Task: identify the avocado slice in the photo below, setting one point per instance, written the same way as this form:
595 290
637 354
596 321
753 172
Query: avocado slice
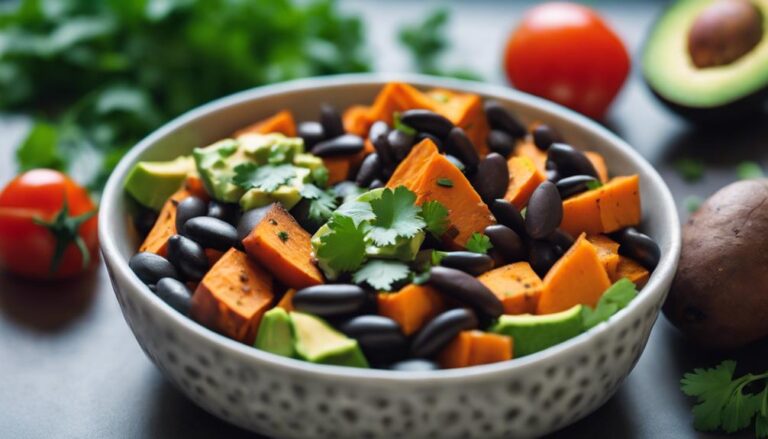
276 333
288 194
404 249
317 342
152 183
272 148
533 333
708 59
216 164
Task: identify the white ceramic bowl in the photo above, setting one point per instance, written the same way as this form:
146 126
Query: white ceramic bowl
282 397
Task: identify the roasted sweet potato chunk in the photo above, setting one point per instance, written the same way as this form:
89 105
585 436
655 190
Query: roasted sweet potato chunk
282 123
472 348
607 209
412 307
516 285
165 226
608 252
632 271
233 296
524 178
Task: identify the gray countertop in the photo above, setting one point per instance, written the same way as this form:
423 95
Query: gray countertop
70 368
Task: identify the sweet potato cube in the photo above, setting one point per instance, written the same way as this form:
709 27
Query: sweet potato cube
342 167
412 307
526 148
607 209
472 348
286 302
410 168
577 278
465 110
608 252
165 226
233 296
631 270
282 123
280 244
398 97
356 120
467 213
516 285
599 163
524 178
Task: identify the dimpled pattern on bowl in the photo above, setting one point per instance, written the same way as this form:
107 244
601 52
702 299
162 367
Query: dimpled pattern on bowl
286 398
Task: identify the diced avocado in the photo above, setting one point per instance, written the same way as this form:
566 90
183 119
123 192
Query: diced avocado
308 161
403 249
276 333
318 342
151 183
216 164
533 333
272 148
288 196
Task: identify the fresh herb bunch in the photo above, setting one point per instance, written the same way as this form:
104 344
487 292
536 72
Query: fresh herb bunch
726 403
99 75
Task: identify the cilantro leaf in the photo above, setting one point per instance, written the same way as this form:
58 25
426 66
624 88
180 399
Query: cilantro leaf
398 124
321 205
343 248
381 274
479 243
396 215
267 177
761 426
616 297
357 210
435 216
594 184
320 176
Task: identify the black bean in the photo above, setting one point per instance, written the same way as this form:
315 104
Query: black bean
501 142
144 220
380 338
376 184
400 143
553 175
459 145
427 121
188 257
378 136
414 365
562 239
544 211
507 214
499 118
506 241
300 212
575 184
249 220
175 294
492 177
212 233
331 300
187 209
377 130
436 334
456 162
150 267
638 246
544 136
466 289
468 262
342 145
369 170
330 119
438 143
542 256
570 161
227 212
311 132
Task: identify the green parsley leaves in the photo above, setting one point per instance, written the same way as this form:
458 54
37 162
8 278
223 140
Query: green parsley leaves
722 400
479 243
266 177
616 297
381 274
396 216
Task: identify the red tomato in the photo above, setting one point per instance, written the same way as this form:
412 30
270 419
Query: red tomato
566 53
40 235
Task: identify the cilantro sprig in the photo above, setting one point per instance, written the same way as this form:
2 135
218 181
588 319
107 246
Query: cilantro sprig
435 216
343 248
615 298
266 177
396 216
479 243
381 274
321 203
723 402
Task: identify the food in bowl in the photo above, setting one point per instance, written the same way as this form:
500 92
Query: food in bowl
428 230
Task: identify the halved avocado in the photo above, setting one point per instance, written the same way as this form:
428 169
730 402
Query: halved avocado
708 59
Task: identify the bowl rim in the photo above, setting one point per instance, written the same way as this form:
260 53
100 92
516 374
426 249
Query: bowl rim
664 271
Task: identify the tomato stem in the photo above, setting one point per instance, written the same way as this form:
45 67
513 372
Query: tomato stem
65 230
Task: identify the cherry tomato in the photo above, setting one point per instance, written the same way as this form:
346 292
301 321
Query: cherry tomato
48 227
566 53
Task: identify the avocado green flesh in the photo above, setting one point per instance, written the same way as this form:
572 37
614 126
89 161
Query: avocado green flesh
534 333
276 333
669 71
316 342
152 183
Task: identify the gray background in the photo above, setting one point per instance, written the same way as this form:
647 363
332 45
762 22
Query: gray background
70 368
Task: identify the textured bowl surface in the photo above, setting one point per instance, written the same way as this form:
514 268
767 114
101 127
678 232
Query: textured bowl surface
282 397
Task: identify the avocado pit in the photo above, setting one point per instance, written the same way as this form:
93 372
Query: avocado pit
723 32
